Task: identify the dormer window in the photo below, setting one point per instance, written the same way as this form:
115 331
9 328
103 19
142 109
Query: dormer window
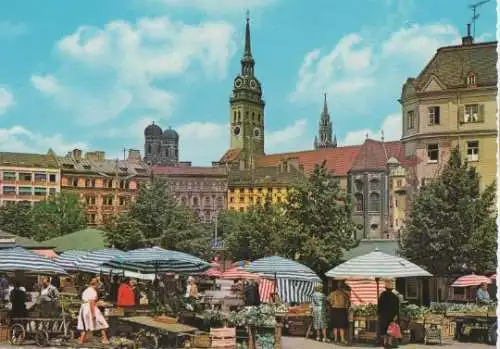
471 80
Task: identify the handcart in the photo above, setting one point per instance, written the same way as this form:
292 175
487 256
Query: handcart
44 329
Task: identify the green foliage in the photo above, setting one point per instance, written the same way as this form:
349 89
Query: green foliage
451 227
58 215
320 223
124 232
15 218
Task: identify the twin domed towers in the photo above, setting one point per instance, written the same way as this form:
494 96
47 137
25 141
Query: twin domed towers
161 147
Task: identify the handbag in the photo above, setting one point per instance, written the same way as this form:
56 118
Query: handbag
394 330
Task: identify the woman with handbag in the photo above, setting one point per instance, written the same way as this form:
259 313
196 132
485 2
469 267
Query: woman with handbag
388 311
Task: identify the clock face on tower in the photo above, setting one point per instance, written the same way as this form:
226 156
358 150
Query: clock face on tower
238 83
236 130
253 84
256 132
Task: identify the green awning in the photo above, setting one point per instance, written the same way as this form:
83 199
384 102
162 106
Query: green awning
83 240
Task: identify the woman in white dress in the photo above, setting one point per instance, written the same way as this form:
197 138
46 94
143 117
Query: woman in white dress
90 317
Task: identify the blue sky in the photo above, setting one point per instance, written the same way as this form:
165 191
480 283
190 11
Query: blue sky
92 74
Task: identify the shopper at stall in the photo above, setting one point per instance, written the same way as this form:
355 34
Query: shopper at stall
18 299
388 311
339 305
191 288
48 292
126 296
482 295
90 317
319 312
252 296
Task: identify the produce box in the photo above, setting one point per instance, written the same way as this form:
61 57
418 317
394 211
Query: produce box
492 314
4 333
201 340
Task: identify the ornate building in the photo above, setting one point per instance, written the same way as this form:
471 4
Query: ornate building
453 102
28 177
325 130
160 147
203 189
105 187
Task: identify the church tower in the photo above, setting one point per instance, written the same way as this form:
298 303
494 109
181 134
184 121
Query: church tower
325 130
247 108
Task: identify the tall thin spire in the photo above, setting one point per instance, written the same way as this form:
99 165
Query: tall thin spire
248 46
325 106
247 61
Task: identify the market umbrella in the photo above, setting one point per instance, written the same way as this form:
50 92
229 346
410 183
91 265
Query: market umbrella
159 260
493 277
471 280
67 260
17 259
239 273
213 272
93 262
282 268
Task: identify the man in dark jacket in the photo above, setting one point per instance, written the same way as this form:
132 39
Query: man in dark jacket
252 296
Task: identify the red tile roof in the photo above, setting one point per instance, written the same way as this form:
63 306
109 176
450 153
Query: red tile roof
230 155
338 160
374 154
189 171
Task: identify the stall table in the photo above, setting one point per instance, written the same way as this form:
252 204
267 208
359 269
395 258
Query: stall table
468 324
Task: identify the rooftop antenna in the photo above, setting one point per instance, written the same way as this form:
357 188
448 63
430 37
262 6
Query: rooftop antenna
475 15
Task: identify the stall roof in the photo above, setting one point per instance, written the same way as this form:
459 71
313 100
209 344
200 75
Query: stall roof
389 247
83 240
10 240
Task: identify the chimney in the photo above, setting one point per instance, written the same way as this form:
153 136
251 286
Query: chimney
77 154
91 155
467 40
134 155
100 155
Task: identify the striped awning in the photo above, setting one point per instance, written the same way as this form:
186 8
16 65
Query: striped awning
376 265
471 280
18 259
363 291
295 291
93 262
266 289
213 272
282 268
159 260
67 260
239 273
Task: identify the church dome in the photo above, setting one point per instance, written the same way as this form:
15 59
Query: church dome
153 130
170 134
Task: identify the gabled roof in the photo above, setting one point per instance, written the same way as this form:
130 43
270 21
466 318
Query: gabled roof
29 160
230 156
338 160
452 64
374 154
82 240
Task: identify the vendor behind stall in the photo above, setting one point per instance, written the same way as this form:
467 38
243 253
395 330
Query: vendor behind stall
191 288
126 296
48 292
482 295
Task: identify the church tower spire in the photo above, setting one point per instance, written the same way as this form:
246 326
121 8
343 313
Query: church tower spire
325 139
247 107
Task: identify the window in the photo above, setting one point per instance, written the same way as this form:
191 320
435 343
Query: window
52 178
25 191
231 199
242 199
207 201
358 184
396 222
374 202
359 202
374 227
107 201
40 191
220 203
471 80
110 183
195 201
25 177
434 115
471 113
472 151
432 153
52 191
399 182
149 148
40 177
183 200
9 176
74 182
123 201
123 184
91 218
411 288
90 200
411 119
242 209
374 184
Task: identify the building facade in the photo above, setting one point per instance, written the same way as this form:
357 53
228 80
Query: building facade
28 178
105 187
160 147
325 130
452 103
202 189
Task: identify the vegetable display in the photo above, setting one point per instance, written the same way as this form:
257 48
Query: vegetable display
262 316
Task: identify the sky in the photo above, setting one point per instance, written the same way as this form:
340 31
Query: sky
92 74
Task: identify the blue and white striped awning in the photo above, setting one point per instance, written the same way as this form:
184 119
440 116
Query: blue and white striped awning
18 259
67 260
159 260
376 265
282 268
295 291
93 262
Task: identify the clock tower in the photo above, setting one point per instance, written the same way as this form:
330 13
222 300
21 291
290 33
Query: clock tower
247 108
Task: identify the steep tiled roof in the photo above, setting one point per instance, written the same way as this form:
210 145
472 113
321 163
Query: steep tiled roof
28 160
373 155
104 167
338 160
189 171
230 155
452 64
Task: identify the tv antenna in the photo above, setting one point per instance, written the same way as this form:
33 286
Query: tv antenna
475 15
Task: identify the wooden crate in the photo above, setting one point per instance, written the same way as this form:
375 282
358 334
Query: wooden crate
201 340
223 337
4 333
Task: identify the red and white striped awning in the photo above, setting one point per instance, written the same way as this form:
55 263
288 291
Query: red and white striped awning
364 291
239 273
266 289
493 277
213 272
471 280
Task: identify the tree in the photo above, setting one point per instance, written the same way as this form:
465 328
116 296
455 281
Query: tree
15 218
58 215
319 220
451 227
124 232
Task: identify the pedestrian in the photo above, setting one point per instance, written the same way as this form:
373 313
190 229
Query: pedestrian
90 317
319 312
126 296
388 311
339 317
18 299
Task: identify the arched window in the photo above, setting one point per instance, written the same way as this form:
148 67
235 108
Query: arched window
358 185
234 116
183 200
359 202
195 201
149 148
471 80
374 202
207 201
374 184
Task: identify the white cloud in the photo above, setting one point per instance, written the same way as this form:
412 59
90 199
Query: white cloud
20 139
219 6
10 29
356 65
129 60
285 136
6 100
391 126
